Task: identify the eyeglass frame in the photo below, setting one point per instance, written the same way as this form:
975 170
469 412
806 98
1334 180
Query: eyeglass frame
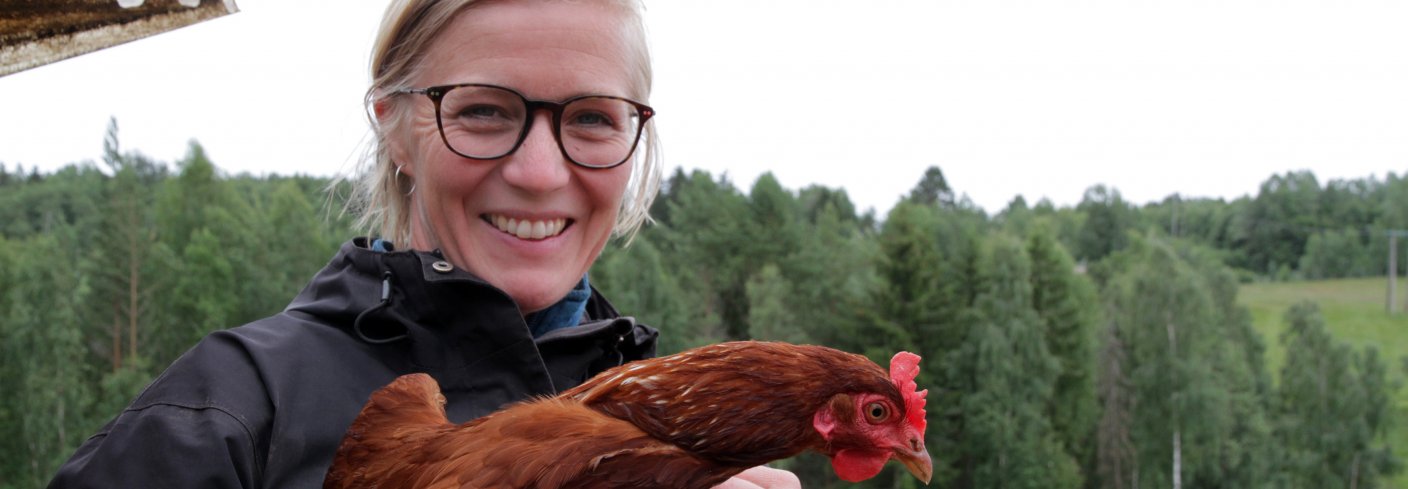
437 93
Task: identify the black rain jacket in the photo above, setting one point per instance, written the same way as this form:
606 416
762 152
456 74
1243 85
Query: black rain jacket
265 405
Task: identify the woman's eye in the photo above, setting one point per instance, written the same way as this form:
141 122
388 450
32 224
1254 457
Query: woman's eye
591 119
876 412
481 112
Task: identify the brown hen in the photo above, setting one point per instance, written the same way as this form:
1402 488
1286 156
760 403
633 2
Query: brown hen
689 420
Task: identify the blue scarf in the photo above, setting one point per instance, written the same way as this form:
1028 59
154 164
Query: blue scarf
565 313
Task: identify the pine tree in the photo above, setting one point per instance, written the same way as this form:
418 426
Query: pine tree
291 221
47 400
129 261
1332 404
641 282
1006 429
830 274
1066 303
1117 466
770 316
1107 220
932 190
707 234
928 280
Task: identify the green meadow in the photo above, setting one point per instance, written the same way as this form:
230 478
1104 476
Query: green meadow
1355 313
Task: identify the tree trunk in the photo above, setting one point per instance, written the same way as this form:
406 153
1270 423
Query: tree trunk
134 278
116 337
62 434
1177 461
1177 430
1392 272
1354 472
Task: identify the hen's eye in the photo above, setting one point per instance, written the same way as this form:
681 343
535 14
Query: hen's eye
876 412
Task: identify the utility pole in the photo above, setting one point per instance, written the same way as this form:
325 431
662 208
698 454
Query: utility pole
1393 235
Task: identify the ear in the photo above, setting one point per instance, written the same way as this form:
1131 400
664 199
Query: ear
839 410
391 131
825 422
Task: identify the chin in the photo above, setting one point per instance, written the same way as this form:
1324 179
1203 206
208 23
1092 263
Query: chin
531 296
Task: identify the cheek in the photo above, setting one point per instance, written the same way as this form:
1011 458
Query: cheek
605 190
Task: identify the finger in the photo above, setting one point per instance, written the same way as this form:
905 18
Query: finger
736 483
770 478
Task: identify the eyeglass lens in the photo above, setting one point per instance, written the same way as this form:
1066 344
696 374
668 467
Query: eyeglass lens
487 122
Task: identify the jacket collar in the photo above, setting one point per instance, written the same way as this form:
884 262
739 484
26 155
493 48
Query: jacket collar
443 317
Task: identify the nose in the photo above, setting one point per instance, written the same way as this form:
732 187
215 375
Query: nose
538 165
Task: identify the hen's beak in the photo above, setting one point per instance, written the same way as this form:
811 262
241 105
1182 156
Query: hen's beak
916 459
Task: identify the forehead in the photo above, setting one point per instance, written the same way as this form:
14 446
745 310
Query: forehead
545 49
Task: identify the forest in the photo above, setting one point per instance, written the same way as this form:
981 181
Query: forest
1094 346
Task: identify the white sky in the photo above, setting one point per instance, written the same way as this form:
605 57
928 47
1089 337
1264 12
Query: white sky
1038 98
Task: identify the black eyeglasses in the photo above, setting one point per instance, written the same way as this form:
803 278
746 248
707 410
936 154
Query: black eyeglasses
484 122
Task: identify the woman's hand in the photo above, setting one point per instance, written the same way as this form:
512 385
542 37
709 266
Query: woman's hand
762 477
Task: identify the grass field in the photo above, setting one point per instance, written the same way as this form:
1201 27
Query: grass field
1354 311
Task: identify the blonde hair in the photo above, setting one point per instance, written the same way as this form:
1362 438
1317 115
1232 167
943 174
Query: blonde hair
381 194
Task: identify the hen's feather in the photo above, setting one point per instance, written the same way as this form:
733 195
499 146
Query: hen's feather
690 420
403 440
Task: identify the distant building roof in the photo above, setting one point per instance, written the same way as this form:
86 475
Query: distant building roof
36 33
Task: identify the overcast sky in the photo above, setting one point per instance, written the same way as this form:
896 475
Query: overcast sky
1037 98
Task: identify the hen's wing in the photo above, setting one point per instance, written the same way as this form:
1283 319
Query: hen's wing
553 444
402 440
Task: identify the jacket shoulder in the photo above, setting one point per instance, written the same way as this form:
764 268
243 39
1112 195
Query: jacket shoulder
166 445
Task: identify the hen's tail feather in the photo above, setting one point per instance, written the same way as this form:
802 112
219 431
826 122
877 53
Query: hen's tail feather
412 400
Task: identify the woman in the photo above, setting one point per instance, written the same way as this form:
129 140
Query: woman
509 135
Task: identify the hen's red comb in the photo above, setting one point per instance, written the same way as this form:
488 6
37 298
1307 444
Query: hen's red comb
903 368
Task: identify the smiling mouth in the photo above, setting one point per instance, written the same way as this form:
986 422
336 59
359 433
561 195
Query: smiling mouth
528 229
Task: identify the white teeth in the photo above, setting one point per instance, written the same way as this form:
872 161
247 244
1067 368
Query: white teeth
526 229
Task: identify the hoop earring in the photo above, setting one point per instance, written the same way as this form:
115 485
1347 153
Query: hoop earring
398 177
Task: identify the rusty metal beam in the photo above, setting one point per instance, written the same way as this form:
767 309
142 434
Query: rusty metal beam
38 32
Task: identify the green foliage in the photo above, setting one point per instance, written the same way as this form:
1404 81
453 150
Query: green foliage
770 318
932 190
644 284
1007 432
1280 220
1206 221
109 271
1341 253
1190 395
1067 305
47 391
1353 313
1108 219
707 226
1332 403
1039 374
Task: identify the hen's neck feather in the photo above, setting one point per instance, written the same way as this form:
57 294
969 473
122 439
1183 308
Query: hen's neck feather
743 403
